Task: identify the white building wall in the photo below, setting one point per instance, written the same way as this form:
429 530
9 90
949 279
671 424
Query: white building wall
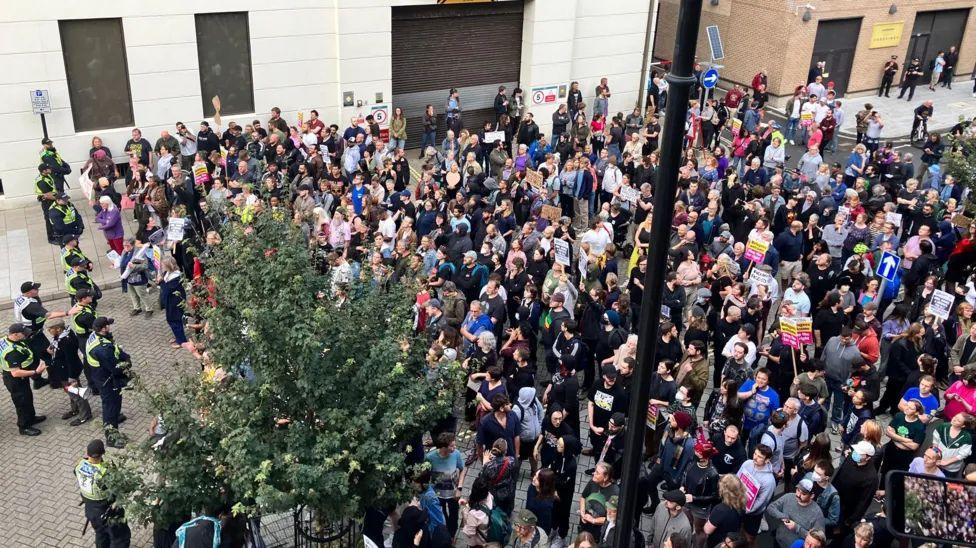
305 54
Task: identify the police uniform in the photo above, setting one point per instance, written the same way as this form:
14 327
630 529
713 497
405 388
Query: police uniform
104 357
52 159
65 219
78 280
30 312
81 324
18 355
98 507
43 190
68 254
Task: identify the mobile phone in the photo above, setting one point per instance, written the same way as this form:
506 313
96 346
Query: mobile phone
929 508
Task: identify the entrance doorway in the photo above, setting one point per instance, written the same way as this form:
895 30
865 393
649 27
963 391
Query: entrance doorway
835 44
936 31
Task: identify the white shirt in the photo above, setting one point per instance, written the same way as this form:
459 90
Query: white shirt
597 240
612 179
750 354
822 111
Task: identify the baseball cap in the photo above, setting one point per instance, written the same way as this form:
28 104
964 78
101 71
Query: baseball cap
526 518
864 447
470 255
28 286
805 486
676 496
62 196
619 419
46 141
609 370
726 234
96 448
434 303
101 322
76 260
68 238
18 328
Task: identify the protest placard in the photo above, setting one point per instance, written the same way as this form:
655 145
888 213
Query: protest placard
553 213
941 304
761 277
534 178
788 332
562 251
756 250
629 194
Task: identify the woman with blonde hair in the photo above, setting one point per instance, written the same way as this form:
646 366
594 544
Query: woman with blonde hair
726 516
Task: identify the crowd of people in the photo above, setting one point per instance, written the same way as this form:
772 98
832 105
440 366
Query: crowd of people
531 256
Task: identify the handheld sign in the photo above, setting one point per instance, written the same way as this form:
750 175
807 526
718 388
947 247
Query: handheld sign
756 251
788 332
629 193
552 213
492 136
941 304
175 229
893 218
562 251
761 277
534 178
804 330
888 265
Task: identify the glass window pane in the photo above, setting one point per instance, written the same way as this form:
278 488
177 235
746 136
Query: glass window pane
98 75
224 50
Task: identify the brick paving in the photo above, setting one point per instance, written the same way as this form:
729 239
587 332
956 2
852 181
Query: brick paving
39 501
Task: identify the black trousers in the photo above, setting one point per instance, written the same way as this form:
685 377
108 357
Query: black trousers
22 398
107 535
885 88
48 227
910 88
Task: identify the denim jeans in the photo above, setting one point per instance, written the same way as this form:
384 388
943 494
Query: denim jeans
791 126
429 139
614 151
838 397
398 143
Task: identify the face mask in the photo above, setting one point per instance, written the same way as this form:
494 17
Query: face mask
816 477
856 457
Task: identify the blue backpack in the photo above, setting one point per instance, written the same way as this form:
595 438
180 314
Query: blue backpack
196 529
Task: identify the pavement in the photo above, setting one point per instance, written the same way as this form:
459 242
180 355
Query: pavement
26 255
898 114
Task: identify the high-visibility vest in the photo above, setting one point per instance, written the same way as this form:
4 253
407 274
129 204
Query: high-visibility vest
79 329
94 341
7 346
66 255
89 475
70 216
72 277
43 184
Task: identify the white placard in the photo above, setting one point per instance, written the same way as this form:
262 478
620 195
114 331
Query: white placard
86 184
761 277
113 256
941 304
893 218
562 251
629 193
175 229
665 312
844 211
492 136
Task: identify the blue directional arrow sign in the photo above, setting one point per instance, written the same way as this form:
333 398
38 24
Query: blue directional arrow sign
710 78
888 266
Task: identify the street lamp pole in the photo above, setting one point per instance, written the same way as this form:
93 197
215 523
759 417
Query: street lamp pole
681 81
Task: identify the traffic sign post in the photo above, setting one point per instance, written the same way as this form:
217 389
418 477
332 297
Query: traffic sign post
888 266
710 78
41 104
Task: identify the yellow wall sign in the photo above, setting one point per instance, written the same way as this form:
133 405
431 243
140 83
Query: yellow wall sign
886 35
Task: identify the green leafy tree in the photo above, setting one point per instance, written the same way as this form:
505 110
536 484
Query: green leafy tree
959 161
310 405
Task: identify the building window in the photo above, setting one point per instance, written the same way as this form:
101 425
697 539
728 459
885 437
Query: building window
224 50
98 75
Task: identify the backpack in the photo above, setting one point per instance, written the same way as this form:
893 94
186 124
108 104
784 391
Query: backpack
499 525
816 418
531 420
195 528
756 435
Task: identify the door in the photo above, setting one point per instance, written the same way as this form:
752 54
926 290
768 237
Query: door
835 44
935 31
472 47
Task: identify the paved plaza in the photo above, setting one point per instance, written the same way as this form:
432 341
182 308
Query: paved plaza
898 114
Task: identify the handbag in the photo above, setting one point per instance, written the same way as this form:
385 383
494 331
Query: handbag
127 202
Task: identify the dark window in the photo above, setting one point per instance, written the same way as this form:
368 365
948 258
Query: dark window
98 75
224 49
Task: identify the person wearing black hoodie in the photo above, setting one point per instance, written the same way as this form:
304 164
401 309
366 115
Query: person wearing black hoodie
564 465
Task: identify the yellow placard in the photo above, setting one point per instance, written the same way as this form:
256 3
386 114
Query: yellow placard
806 116
886 35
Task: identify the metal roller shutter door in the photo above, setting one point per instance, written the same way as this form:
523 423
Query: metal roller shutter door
474 48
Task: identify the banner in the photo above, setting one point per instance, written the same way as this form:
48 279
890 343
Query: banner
756 250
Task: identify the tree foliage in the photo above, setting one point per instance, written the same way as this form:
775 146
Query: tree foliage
960 160
317 403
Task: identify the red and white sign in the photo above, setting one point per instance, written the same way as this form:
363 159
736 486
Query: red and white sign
544 95
381 114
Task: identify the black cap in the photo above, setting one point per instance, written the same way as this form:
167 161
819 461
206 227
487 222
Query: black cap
76 260
46 141
96 448
619 419
101 322
42 167
18 328
676 496
609 371
62 196
68 238
28 286
83 293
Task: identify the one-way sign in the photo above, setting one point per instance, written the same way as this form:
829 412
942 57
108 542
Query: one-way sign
710 78
888 265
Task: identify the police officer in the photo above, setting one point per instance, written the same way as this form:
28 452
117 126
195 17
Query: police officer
110 531
69 249
79 279
51 158
82 323
18 365
64 218
105 359
29 311
45 192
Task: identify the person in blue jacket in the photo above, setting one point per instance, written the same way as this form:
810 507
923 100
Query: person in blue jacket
172 299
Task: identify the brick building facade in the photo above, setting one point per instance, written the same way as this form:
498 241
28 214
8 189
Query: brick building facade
772 35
